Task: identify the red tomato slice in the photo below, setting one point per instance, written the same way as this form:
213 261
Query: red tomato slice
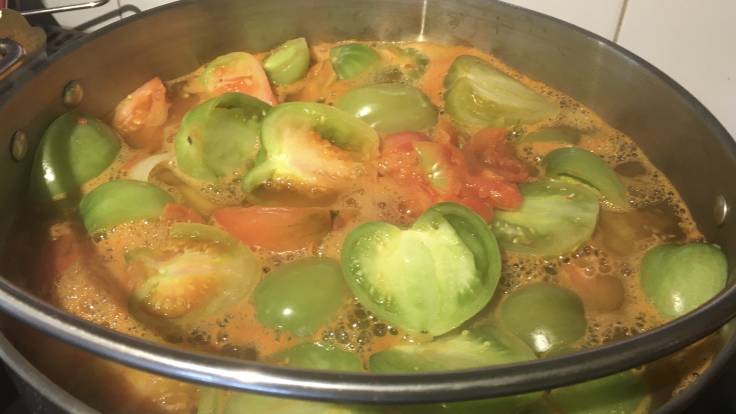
488 148
399 159
402 141
433 172
240 72
180 213
478 177
275 228
498 193
414 159
141 114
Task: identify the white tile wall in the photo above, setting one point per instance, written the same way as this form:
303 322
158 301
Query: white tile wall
80 17
692 41
598 16
141 4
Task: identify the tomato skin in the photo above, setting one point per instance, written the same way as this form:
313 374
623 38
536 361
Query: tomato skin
488 148
275 228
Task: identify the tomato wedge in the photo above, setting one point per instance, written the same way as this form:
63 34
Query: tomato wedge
275 228
141 114
238 72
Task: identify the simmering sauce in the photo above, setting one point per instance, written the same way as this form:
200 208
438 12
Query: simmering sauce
326 193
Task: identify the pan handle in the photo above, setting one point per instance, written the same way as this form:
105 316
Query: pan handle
10 53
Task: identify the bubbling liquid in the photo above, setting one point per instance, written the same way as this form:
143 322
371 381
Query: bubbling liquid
96 287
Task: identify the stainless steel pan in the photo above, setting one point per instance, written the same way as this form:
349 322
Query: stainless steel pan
677 133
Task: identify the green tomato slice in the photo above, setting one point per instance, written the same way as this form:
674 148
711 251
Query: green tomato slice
624 392
478 347
317 356
429 278
545 316
311 148
259 404
677 279
120 201
515 404
74 149
481 346
289 62
220 137
353 59
587 167
555 218
478 95
214 401
390 107
433 160
305 355
210 401
289 299
216 272
563 135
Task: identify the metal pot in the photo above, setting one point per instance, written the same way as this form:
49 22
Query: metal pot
675 131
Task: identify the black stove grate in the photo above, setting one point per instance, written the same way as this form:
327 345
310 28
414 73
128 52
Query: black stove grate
56 37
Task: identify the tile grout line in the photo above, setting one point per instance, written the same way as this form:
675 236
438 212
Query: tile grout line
620 22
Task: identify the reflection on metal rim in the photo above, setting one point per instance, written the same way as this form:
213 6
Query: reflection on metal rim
366 388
